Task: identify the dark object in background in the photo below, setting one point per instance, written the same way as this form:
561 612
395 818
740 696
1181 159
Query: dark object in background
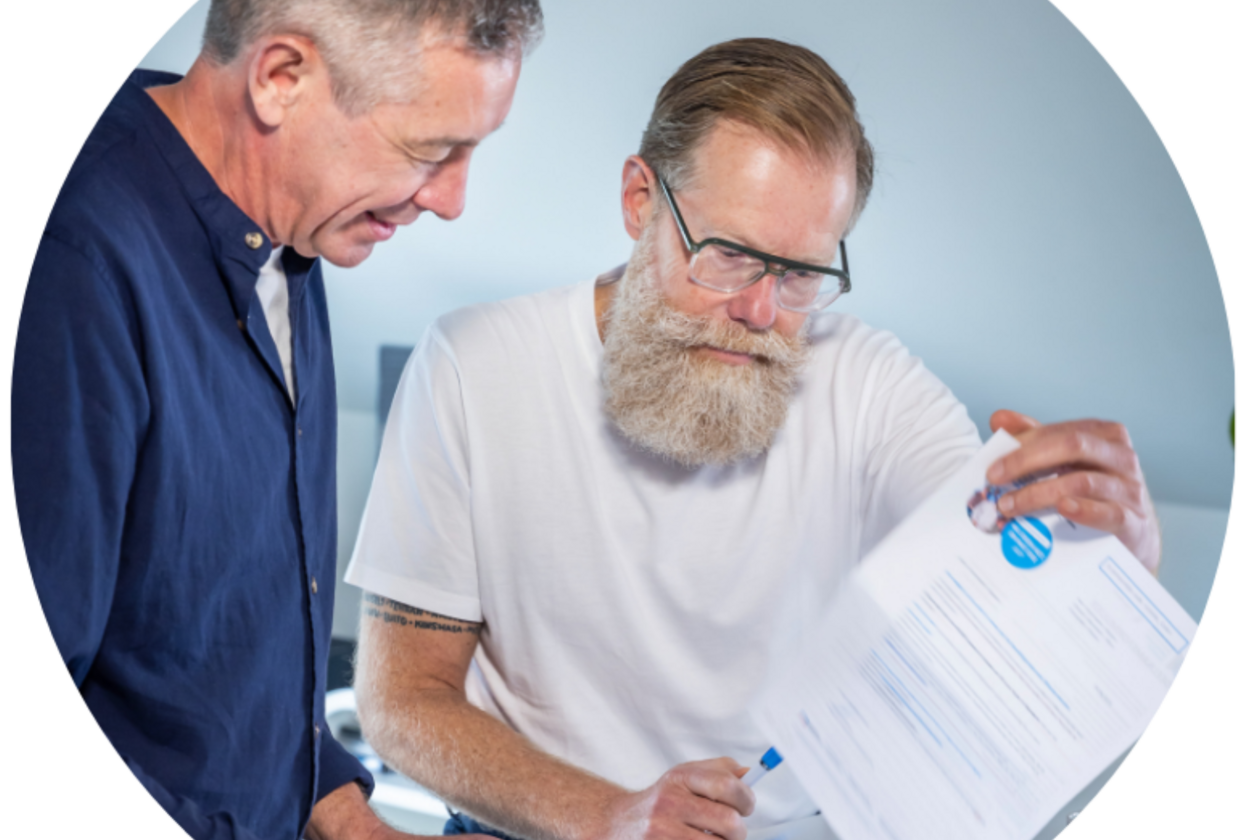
341 664
393 360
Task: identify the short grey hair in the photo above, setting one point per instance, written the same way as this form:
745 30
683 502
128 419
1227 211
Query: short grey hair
372 46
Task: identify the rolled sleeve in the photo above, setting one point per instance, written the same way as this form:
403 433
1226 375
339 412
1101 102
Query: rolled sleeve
338 767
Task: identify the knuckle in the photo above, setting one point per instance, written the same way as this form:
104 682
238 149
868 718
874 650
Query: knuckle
1080 484
1027 497
666 800
1079 446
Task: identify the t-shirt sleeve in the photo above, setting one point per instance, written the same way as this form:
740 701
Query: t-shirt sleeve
415 541
916 435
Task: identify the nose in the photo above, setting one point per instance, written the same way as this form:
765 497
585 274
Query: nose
445 192
756 306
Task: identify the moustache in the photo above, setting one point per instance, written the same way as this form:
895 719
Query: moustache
683 331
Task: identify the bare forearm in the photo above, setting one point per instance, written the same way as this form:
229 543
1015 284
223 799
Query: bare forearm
409 682
483 767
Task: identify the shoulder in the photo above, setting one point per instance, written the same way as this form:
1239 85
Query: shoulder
116 190
845 346
870 380
506 329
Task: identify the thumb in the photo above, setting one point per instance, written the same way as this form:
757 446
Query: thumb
1012 422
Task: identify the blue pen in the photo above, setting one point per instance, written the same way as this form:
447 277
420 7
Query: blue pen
768 762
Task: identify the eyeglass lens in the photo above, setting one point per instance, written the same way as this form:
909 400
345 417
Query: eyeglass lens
726 270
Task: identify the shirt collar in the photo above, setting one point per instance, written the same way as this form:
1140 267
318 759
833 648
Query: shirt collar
239 245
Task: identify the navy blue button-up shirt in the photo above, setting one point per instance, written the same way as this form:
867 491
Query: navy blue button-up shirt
178 511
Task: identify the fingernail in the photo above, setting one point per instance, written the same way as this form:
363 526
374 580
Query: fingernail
1005 504
1071 505
995 473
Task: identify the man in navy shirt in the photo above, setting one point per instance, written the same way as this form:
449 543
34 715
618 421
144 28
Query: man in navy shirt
173 392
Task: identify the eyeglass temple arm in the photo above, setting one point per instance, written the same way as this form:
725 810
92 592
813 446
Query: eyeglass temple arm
683 228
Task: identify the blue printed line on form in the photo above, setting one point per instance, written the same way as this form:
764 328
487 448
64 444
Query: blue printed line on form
933 720
903 659
1008 640
922 619
902 698
1176 632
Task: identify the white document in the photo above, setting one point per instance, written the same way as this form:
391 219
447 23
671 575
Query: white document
975 673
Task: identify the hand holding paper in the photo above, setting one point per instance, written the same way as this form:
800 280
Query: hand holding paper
1097 479
976 672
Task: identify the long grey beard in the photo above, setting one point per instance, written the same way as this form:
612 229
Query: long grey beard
682 405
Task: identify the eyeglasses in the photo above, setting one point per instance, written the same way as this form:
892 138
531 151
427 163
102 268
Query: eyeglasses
723 266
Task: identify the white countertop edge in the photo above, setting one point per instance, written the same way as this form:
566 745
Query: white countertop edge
408 799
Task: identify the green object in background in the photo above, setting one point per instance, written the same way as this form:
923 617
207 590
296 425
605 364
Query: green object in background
1232 417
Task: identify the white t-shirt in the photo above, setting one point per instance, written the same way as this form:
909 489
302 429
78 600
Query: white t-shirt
633 608
274 292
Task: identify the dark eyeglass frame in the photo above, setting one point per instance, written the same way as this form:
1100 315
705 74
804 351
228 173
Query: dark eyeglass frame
770 261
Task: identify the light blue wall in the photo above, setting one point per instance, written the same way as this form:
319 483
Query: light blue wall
1028 235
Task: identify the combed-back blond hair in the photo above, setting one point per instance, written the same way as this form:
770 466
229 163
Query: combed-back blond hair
787 93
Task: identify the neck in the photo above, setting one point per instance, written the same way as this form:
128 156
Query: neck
206 109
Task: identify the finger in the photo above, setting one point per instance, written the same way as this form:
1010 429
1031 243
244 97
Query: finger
719 819
717 780
678 809
1043 495
1012 422
1094 513
1087 444
1139 532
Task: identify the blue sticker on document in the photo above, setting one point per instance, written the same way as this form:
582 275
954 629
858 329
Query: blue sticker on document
1026 542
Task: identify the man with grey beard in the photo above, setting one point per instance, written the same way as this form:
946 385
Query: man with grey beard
681 404
603 513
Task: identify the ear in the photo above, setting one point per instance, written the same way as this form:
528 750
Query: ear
640 194
283 70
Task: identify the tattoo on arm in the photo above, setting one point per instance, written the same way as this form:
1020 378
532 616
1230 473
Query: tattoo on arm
393 612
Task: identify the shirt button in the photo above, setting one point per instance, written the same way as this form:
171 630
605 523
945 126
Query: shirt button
315 588
254 240
316 730
300 431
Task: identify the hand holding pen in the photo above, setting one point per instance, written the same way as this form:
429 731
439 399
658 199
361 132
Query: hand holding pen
768 762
